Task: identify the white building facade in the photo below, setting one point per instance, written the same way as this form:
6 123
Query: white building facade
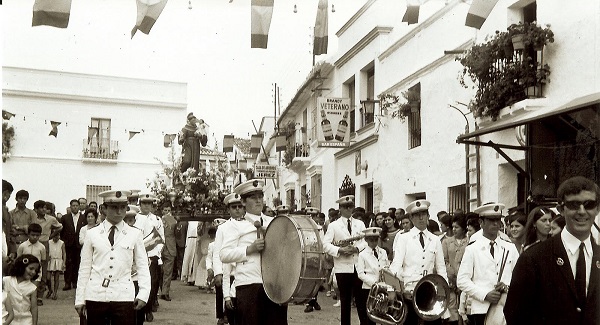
112 132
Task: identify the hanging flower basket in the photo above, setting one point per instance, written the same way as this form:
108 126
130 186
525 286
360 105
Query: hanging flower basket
517 41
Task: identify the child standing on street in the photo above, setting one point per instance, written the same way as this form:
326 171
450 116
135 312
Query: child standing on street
57 256
370 261
37 249
22 291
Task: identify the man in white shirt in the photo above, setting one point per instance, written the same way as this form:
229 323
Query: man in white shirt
487 266
417 253
345 256
242 246
105 290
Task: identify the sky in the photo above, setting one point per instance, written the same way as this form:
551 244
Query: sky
229 84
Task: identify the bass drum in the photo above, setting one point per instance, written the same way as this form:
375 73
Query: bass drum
292 260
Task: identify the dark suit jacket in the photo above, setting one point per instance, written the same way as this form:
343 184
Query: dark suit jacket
70 232
181 233
542 290
169 224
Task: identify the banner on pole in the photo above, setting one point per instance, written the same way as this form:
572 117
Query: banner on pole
333 117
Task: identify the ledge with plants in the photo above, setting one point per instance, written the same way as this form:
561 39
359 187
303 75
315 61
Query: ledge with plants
392 105
504 74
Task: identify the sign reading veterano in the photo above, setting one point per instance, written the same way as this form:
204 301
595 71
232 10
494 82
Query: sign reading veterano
265 171
333 122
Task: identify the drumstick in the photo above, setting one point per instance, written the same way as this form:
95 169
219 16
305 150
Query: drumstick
257 225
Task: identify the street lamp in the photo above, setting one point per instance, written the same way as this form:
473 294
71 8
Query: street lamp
368 110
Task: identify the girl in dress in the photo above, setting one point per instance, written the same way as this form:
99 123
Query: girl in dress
58 256
22 291
7 309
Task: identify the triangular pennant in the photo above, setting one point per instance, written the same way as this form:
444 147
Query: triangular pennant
228 143
6 115
411 16
260 19
132 134
478 12
53 13
168 140
148 12
320 41
54 131
280 143
92 131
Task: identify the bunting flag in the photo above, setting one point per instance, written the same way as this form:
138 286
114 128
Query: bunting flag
92 131
53 13
6 115
228 143
152 240
169 138
280 143
260 18
321 28
147 14
54 131
243 164
411 16
478 12
255 143
132 134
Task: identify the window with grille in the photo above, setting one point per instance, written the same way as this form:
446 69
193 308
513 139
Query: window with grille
351 89
457 198
315 191
414 119
92 191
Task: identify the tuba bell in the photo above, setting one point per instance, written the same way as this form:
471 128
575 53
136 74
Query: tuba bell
430 297
385 303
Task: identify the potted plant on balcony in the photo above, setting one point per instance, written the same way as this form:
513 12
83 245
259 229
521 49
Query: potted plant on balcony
530 35
289 154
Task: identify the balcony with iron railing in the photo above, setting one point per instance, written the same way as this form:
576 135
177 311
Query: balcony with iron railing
297 155
100 151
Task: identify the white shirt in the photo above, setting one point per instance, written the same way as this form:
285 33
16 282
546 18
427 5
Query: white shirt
146 223
571 244
479 271
368 265
412 262
235 243
218 244
338 230
228 286
102 263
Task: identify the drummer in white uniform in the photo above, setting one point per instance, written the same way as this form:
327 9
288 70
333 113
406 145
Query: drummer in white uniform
417 253
345 256
313 213
242 246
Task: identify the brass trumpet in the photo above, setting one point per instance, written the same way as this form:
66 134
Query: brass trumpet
387 299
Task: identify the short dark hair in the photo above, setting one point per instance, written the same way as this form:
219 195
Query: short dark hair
575 185
74 200
34 227
432 226
39 204
21 263
517 216
96 203
560 221
445 219
22 193
460 219
92 211
473 222
7 186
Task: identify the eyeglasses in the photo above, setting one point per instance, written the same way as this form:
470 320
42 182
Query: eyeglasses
574 205
237 206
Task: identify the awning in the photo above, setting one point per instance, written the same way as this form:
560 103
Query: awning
514 121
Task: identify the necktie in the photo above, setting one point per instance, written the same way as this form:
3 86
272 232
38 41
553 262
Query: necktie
580 274
421 239
375 253
350 226
111 235
492 248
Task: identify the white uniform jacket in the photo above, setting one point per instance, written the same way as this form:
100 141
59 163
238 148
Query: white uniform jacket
338 230
368 266
218 244
235 241
412 262
105 270
478 272
209 255
228 286
155 222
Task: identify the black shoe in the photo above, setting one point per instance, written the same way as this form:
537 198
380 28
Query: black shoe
66 288
316 306
308 309
165 297
149 317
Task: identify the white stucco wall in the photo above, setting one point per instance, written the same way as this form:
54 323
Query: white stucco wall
53 169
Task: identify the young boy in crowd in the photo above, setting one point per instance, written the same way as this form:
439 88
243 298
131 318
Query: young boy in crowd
370 261
34 247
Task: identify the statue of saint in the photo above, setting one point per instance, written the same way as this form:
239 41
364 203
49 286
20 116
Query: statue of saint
190 137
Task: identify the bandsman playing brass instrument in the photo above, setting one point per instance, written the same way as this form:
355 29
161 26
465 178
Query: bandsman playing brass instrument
416 254
346 257
370 261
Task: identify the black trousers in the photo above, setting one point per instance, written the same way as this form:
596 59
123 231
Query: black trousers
413 319
72 265
361 300
476 319
349 285
255 308
230 313
219 302
113 313
154 283
139 316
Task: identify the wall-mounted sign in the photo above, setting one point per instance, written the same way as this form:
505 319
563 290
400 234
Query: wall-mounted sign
333 122
265 171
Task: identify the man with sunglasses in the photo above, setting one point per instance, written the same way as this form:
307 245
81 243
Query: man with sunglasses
236 213
417 253
345 256
242 244
558 280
